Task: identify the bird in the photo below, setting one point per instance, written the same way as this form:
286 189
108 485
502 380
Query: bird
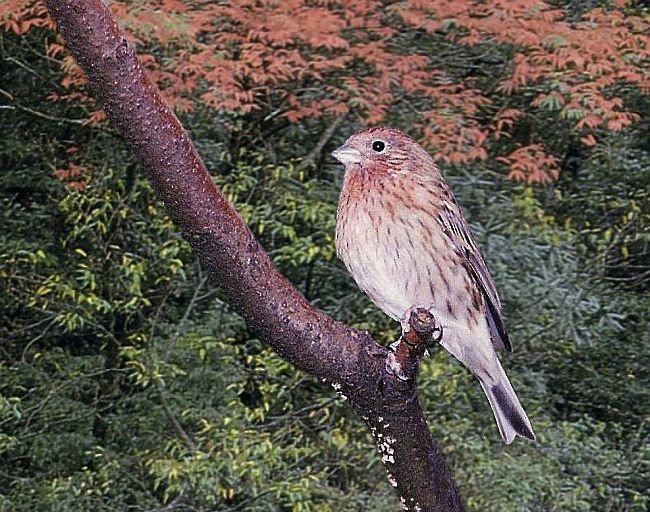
403 238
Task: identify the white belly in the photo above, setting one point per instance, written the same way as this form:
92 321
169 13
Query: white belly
393 263
404 261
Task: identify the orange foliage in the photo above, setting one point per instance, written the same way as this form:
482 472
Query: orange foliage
300 59
74 176
19 16
531 164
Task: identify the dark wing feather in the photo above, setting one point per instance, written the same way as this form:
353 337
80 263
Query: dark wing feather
459 234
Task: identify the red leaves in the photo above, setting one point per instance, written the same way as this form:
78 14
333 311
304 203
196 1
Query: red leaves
504 121
530 164
589 140
302 59
20 16
74 176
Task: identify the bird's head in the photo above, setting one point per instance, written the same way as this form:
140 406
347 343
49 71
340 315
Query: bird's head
379 149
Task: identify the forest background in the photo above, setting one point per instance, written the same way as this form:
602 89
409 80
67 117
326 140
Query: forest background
127 384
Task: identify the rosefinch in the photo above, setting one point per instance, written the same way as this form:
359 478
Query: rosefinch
403 239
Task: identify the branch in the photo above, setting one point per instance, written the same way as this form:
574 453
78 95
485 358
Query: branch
18 106
404 359
160 388
349 359
318 148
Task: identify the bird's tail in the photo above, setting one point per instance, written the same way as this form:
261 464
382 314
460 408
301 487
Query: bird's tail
508 412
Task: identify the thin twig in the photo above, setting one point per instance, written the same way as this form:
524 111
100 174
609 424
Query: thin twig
318 148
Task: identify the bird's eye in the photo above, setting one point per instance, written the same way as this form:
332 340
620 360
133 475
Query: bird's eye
379 146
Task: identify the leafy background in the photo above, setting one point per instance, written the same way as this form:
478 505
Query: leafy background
127 384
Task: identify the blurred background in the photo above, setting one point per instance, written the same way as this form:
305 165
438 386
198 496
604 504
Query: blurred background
127 384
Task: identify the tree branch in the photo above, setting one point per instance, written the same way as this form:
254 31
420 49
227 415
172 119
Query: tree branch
348 359
406 353
315 152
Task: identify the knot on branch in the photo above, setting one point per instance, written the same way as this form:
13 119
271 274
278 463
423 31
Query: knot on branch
405 354
423 329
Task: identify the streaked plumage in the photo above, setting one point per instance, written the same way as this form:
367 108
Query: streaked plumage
404 240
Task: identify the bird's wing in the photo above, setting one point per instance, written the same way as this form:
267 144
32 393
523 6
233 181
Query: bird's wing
461 238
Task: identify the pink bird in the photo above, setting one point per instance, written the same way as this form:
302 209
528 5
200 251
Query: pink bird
403 238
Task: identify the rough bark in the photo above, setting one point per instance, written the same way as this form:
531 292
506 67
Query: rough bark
348 359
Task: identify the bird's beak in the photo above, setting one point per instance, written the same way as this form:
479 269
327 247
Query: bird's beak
347 155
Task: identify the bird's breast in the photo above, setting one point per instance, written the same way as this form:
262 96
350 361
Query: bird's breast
395 250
